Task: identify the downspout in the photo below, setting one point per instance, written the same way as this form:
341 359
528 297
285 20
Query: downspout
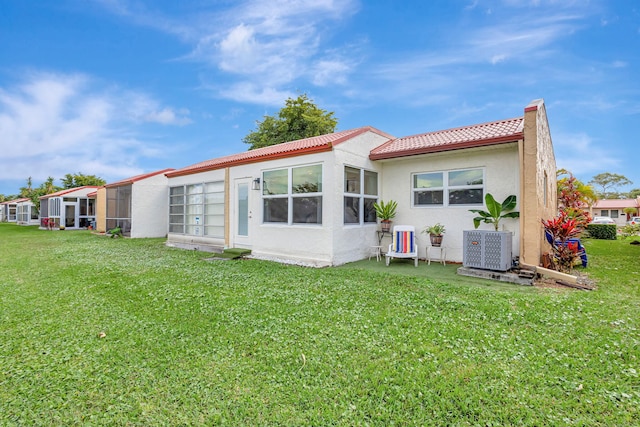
523 214
227 198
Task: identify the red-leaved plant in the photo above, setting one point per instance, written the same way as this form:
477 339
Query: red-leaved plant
560 231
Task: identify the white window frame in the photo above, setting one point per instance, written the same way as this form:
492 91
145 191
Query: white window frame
446 188
195 221
360 195
290 196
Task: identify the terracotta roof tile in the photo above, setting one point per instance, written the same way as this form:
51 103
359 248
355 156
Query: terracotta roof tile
497 132
67 191
136 178
616 203
314 144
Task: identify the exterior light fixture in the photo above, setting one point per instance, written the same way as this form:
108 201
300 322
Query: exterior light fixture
255 185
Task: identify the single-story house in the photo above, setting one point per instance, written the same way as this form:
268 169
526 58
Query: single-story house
71 208
26 212
9 209
614 208
139 205
311 201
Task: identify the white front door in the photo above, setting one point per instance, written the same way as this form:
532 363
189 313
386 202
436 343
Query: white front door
242 215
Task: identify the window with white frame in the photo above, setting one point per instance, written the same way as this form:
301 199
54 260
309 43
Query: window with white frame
197 209
360 194
448 188
292 195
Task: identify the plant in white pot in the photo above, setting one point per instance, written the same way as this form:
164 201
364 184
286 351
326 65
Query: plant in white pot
386 212
435 233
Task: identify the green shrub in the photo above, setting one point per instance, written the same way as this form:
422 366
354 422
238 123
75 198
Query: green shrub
602 231
630 230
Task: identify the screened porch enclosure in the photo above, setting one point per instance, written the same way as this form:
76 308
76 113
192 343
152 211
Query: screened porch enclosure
119 209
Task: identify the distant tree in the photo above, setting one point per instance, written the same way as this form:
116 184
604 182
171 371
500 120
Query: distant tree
607 182
300 118
26 191
633 194
34 194
79 180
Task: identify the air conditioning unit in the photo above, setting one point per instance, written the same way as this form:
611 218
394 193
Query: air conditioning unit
486 249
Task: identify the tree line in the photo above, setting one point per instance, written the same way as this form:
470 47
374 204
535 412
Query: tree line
48 187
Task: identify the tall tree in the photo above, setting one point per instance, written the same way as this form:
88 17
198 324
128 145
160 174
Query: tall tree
34 194
79 180
300 118
607 183
26 191
633 194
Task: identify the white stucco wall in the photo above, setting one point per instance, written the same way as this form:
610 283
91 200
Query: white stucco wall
331 243
150 207
502 178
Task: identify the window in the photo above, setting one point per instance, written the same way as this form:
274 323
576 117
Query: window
614 213
292 195
197 209
360 194
459 187
604 212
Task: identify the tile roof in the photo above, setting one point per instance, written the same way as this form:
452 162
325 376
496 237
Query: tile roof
479 135
67 191
11 202
617 203
314 144
136 178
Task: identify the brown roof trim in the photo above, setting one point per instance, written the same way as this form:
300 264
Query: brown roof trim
67 191
449 147
311 145
131 180
246 161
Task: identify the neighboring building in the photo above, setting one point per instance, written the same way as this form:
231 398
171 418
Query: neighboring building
614 208
26 212
138 205
71 208
10 209
311 201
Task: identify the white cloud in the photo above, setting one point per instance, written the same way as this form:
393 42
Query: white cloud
54 124
255 93
256 43
580 155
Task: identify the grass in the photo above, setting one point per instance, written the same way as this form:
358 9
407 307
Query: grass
97 331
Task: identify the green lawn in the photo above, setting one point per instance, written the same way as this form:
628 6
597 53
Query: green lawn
99 331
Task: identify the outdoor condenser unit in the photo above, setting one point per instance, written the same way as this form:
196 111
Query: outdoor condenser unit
489 250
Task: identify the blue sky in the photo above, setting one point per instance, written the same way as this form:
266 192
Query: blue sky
115 88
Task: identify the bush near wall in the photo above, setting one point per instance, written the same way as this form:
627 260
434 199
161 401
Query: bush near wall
602 231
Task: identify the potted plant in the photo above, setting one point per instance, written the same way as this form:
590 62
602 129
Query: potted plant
435 233
386 212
